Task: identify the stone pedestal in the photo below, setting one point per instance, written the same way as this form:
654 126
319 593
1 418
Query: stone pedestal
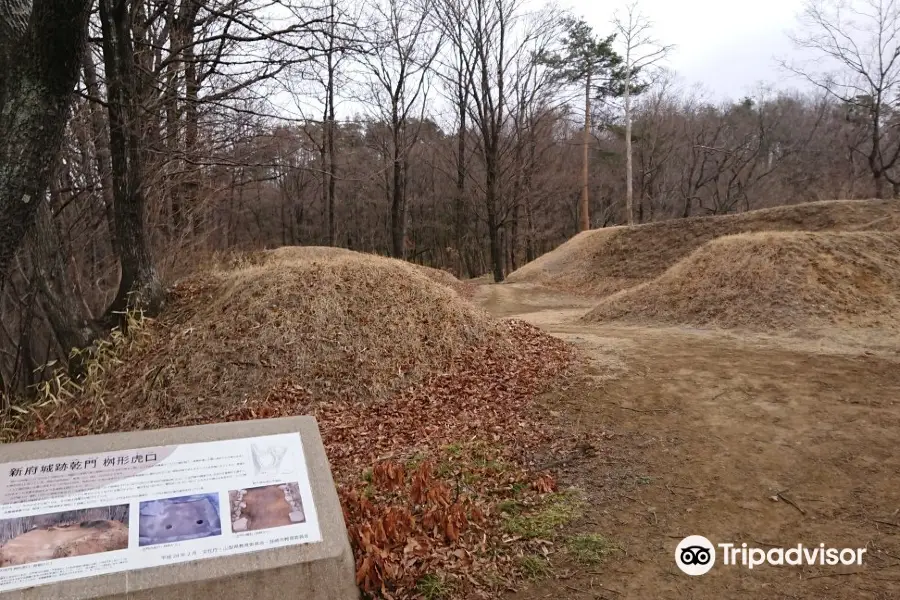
315 571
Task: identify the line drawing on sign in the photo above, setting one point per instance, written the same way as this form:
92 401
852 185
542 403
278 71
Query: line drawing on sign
267 460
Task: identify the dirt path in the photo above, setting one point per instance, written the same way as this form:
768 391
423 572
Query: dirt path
266 507
702 430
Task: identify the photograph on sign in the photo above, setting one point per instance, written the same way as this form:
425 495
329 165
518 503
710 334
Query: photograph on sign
266 507
179 519
57 535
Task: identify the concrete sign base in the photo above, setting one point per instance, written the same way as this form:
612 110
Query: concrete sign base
243 511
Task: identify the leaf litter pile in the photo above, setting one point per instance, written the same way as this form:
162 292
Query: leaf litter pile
425 403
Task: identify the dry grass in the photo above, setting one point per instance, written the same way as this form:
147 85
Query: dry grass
397 370
603 261
302 253
773 280
345 325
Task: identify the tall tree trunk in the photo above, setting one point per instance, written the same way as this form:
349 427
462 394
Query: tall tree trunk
529 223
529 232
139 285
686 209
183 66
323 160
514 239
504 247
492 223
172 123
100 136
398 208
332 171
285 193
629 185
71 326
585 222
460 197
880 185
190 196
39 68
329 129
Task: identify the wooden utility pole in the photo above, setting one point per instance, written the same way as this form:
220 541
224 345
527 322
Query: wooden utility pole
629 169
585 198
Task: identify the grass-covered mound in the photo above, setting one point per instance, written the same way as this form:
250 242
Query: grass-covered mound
772 281
604 261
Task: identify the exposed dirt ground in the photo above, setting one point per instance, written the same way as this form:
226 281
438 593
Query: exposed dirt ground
701 430
74 539
266 507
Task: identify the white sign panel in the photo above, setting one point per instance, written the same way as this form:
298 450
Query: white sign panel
81 516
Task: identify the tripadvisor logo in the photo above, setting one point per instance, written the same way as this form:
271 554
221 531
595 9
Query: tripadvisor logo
696 555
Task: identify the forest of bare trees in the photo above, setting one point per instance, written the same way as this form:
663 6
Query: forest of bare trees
446 132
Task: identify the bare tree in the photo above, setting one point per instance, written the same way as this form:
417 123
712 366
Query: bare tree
40 57
492 36
656 140
335 41
455 72
399 63
481 31
139 285
69 319
642 50
860 42
175 146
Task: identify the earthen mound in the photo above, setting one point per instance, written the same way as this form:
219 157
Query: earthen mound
771 280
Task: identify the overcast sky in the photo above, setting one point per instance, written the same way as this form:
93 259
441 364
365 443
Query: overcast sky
726 45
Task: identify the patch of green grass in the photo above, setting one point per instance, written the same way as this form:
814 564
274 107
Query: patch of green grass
445 469
518 488
497 465
433 587
555 511
471 478
413 462
466 462
590 548
368 475
534 566
491 579
454 450
481 449
510 507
